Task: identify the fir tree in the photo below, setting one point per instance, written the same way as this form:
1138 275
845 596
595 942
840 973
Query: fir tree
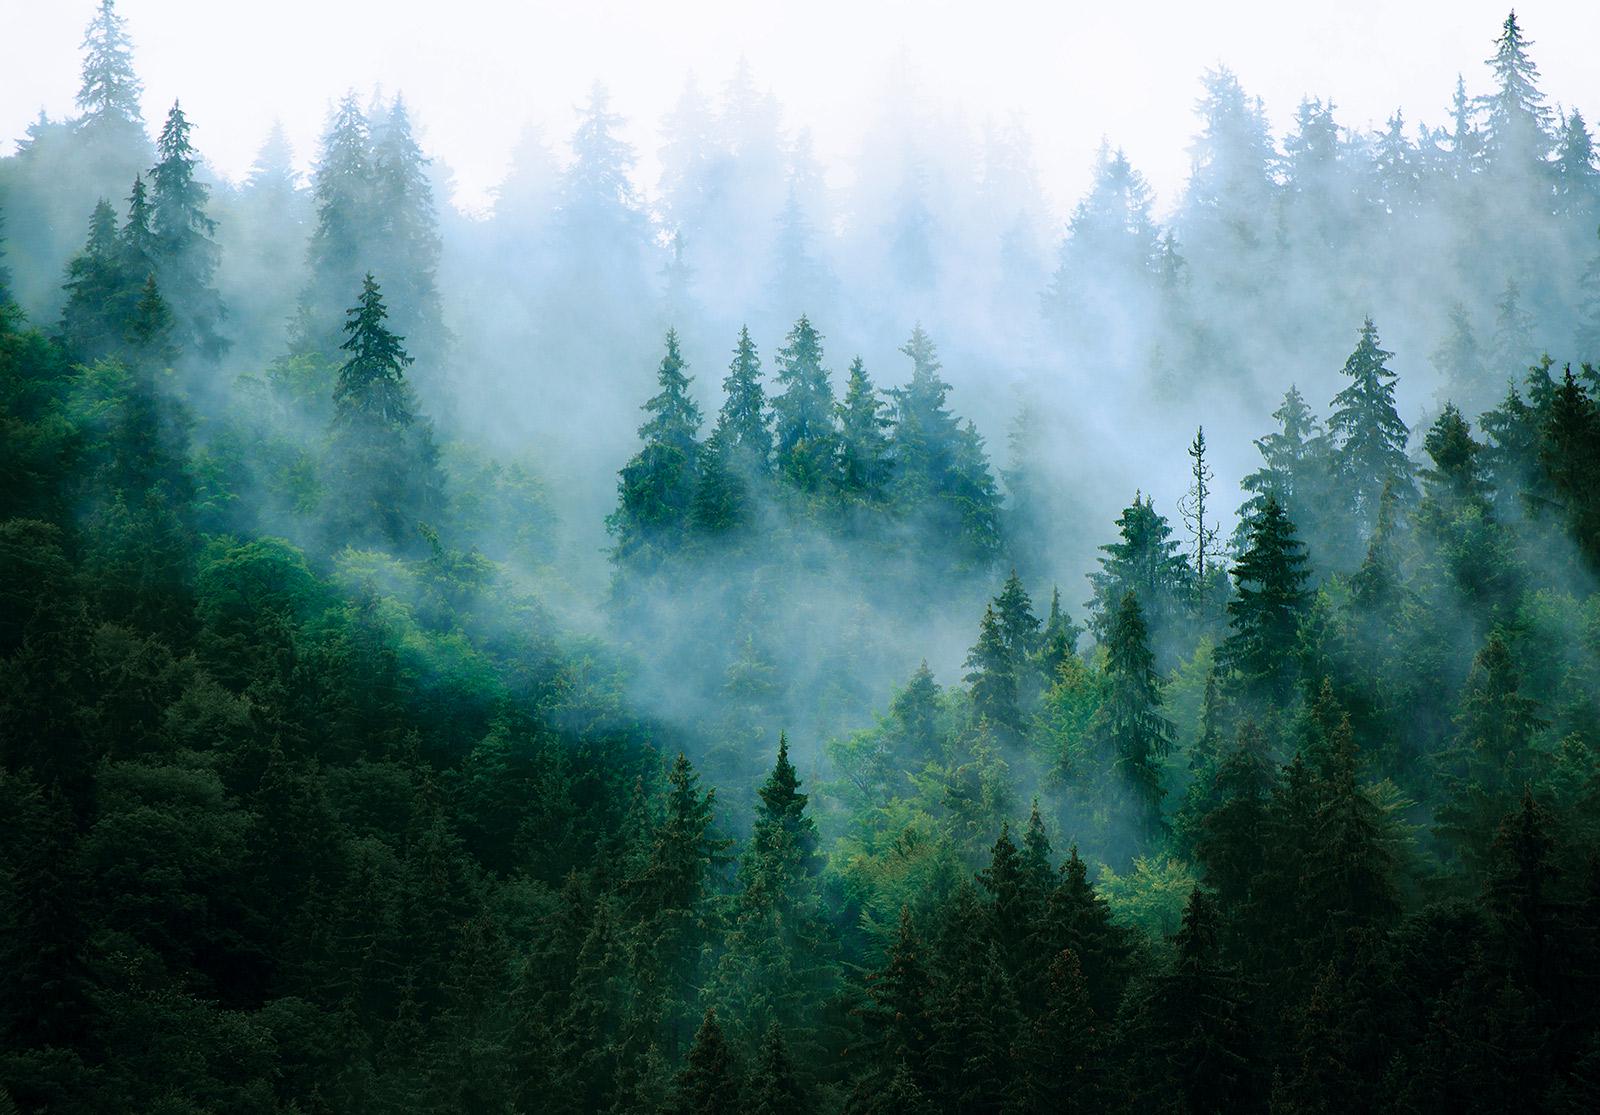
1059 640
993 676
187 253
109 93
1492 758
404 245
803 410
1292 465
1264 619
1459 360
743 419
1517 121
94 317
898 1016
657 487
863 445
341 193
709 1081
1514 348
1144 561
1370 438
371 389
1134 733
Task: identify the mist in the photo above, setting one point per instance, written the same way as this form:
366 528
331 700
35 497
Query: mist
532 492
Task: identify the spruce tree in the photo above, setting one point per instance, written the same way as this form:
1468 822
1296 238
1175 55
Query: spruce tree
1516 119
1145 561
1514 348
1491 758
1459 360
340 245
110 90
1264 619
657 487
709 1083
93 319
898 1015
863 445
188 256
1133 732
1293 465
1369 437
1058 641
405 244
803 411
992 674
743 421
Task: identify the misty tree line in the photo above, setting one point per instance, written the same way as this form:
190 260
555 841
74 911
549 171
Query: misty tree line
312 803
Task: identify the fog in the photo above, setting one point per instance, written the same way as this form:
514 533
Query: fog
1133 227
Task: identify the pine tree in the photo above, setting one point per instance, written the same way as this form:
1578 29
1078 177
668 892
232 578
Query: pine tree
1062 1050
1514 347
93 320
1577 176
898 1016
1190 1025
775 1087
803 410
1370 438
138 248
187 260
1134 733
1078 918
1264 619
1349 879
863 445
1459 360
976 1021
1588 338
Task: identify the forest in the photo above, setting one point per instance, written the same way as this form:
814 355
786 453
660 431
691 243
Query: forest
745 643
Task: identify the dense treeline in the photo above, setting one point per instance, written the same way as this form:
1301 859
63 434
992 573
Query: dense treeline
311 800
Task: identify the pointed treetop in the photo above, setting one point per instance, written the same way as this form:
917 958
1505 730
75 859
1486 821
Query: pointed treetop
110 89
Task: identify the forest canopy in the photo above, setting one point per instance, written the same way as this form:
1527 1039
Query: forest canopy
740 643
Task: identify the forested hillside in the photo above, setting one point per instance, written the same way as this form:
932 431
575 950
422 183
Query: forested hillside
677 650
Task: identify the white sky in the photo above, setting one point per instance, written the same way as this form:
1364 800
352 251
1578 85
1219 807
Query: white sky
474 71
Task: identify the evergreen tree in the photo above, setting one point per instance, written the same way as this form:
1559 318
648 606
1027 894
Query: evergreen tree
1264 618
109 93
1517 121
1588 339
1292 465
1134 733
1370 438
993 676
863 445
743 419
1492 758
1514 347
1193 506
803 410
775 1084
188 255
1144 561
1459 360
709 1081
97 287
405 245
897 1016
385 455
1059 640
341 193
1063 1049
657 487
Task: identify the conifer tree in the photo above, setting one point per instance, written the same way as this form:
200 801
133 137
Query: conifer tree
1514 347
1491 759
803 410
863 445
1062 1050
1144 561
1193 506
110 90
1059 640
1264 619
1588 339
405 245
341 193
1134 733
993 676
775 1087
386 455
1292 465
1349 879
1369 436
657 487
709 1081
1516 119
1459 360
97 287
187 260
138 248
898 1016
743 420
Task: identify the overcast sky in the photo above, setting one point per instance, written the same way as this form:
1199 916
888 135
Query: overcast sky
474 71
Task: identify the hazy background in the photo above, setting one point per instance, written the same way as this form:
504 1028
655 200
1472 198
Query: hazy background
475 71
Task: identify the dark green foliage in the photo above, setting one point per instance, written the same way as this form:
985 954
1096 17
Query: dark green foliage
188 256
1368 436
1264 618
803 411
1132 729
